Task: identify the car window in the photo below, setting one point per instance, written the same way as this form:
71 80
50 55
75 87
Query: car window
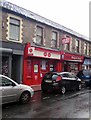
54 77
50 76
80 74
72 76
0 81
86 72
6 82
68 75
65 75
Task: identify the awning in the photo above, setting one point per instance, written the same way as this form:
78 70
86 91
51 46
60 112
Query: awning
87 61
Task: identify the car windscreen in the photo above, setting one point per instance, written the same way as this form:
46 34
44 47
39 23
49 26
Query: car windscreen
50 76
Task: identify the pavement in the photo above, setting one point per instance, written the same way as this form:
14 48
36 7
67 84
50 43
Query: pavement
36 87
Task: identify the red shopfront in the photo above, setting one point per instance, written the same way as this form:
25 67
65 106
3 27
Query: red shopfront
38 61
72 62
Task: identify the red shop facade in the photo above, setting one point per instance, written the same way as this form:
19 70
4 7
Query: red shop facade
38 61
72 62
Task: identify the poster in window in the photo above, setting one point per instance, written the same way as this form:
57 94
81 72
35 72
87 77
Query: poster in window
51 68
43 65
36 68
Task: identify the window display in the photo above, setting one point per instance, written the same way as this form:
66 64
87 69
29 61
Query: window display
5 66
36 68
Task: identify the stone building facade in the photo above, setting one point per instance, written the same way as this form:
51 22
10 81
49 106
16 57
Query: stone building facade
33 45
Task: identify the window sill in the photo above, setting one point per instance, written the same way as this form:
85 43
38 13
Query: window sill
20 41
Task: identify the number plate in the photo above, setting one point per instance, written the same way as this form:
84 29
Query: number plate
48 81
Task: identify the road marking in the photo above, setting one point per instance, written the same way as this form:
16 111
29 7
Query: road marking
33 100
45 98
56 95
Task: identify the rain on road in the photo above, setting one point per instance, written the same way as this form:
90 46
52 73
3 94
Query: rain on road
72 105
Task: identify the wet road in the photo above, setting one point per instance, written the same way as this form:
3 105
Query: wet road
72 105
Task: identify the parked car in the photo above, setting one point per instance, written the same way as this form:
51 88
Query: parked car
62 82
12 91
85 76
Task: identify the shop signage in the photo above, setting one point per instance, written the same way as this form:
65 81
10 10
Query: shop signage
72 57
75 58
66 40
43 53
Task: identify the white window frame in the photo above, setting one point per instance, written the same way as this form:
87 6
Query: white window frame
8 28
66 45
85 48
56 40
77 46
42 37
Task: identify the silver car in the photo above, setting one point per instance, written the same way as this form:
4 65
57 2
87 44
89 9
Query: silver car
10 91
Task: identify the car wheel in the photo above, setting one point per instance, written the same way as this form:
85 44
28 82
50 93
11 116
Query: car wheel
25 97
63 90
79 86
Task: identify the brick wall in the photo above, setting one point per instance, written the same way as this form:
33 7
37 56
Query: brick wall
4 25
28 30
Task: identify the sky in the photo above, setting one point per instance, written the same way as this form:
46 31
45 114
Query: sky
73 14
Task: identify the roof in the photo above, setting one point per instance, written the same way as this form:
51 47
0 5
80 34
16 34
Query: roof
34 16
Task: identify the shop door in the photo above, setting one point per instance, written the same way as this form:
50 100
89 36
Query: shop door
16 68
52 66
36 72
44 68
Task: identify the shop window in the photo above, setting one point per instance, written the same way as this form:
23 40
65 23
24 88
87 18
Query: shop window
43 65
36 68
51 67
39 35
5 66
90 67
29 71
73 67
54 40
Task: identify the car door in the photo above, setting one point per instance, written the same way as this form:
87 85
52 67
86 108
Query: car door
73 81
66 80
0 91
9 91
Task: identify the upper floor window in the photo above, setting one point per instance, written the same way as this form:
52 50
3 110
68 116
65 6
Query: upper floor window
39 35
77 45
66 42
85 48
67 46
90 50
54 40
14 30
